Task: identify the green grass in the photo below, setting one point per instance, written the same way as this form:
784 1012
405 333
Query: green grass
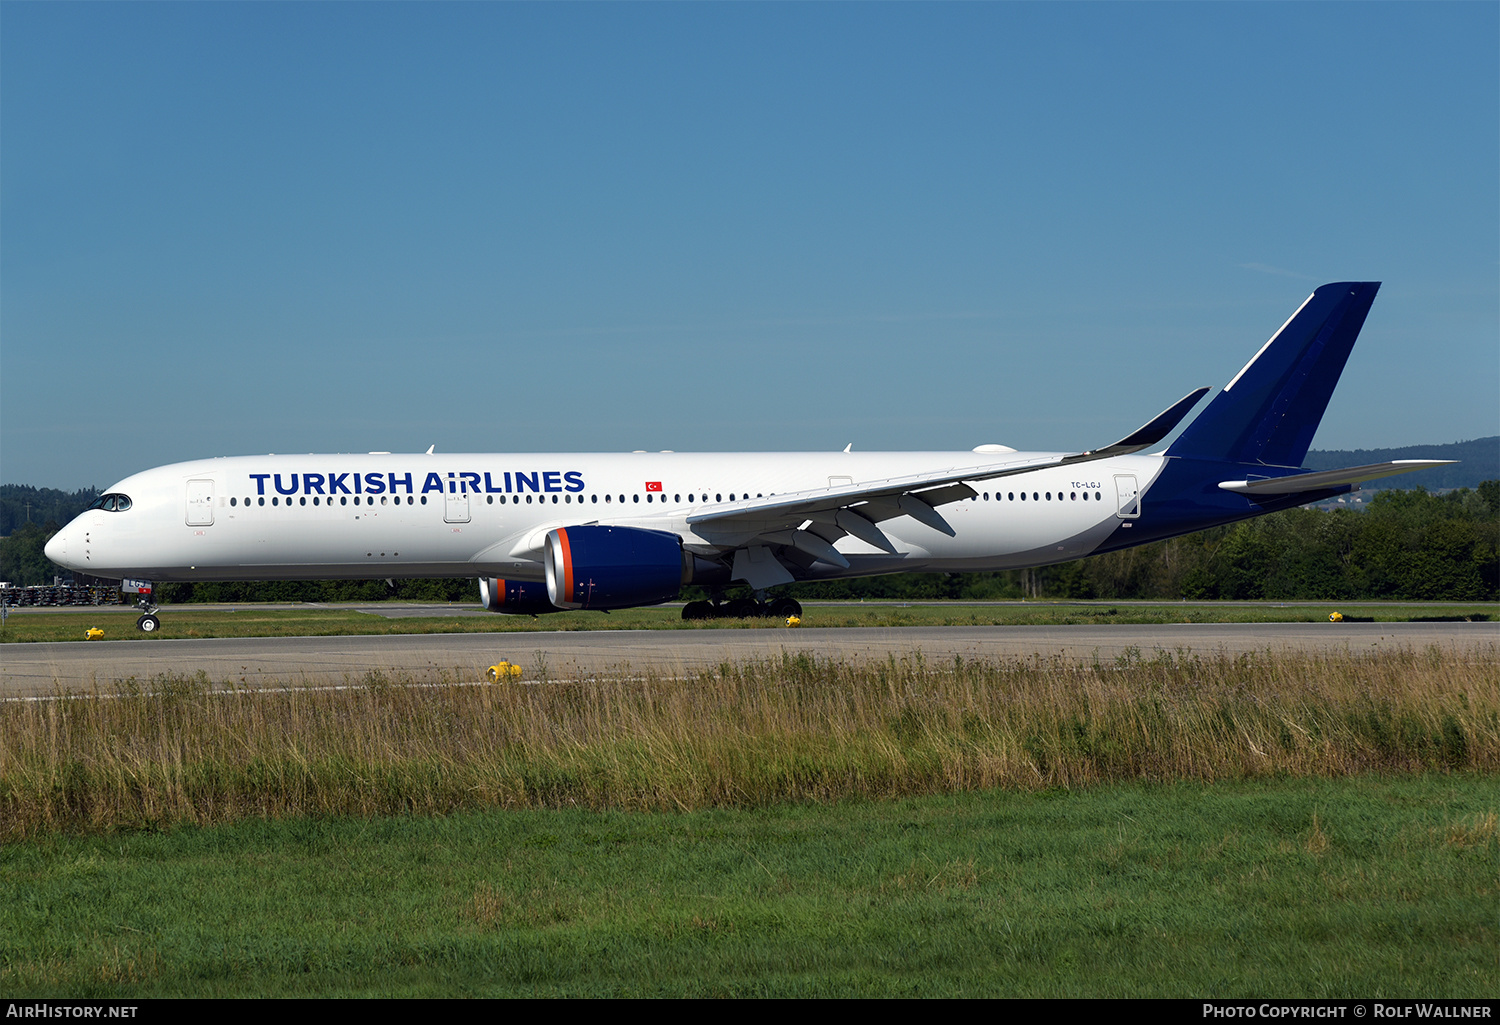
1363 887
32 625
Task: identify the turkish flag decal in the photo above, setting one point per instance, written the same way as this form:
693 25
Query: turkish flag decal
653 485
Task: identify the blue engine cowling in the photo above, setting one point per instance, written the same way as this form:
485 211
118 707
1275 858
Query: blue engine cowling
515 597
612 567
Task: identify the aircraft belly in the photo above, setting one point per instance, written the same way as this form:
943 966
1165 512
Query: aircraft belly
1038 551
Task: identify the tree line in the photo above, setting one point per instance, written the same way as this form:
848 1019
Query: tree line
21 504
1404 545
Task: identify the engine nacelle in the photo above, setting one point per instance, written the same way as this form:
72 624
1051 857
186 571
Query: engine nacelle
613 567
515 597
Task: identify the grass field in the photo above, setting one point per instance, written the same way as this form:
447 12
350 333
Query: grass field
1262 825
1373 886
792 729
118 623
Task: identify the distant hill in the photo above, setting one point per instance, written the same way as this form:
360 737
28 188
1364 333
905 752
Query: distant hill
1479 460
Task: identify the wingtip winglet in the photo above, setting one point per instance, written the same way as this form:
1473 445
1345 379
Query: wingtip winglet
1157 428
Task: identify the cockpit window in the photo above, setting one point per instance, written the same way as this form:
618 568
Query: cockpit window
111 503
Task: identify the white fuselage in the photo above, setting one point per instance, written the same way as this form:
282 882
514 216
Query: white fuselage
384 516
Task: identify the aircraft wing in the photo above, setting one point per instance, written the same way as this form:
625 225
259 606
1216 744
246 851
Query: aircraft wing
855 509
1296 482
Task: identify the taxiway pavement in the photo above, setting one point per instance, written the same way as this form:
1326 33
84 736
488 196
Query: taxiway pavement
35 669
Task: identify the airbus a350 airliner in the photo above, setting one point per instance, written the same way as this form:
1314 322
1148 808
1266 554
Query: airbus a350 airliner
608 531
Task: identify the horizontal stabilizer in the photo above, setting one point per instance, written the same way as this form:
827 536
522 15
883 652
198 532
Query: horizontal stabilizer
1328 478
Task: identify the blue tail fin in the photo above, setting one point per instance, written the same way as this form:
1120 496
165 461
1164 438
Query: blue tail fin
1270 411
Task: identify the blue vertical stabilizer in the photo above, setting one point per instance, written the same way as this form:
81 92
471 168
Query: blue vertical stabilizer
1270 411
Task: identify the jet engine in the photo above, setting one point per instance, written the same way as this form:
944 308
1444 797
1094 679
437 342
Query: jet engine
515 597
597 567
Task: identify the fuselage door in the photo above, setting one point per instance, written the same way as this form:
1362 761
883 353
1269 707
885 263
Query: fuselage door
200 503
1129 495
456 504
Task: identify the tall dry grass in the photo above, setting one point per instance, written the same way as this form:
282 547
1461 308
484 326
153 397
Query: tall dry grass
797 729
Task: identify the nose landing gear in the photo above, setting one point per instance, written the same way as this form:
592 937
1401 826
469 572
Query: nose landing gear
147 623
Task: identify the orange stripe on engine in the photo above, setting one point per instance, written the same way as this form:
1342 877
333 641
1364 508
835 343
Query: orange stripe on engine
567 554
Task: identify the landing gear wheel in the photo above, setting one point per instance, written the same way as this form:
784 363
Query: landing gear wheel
741 608
148 624
785 608
697 610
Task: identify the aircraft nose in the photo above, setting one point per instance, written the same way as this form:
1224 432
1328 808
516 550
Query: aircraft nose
57 547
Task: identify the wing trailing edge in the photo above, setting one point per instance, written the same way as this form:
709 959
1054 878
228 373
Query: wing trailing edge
932 489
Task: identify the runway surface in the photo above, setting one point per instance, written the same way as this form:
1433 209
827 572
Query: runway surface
31 669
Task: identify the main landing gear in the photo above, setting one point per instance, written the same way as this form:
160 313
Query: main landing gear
742 608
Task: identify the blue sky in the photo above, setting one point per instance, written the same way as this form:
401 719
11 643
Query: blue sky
241 228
